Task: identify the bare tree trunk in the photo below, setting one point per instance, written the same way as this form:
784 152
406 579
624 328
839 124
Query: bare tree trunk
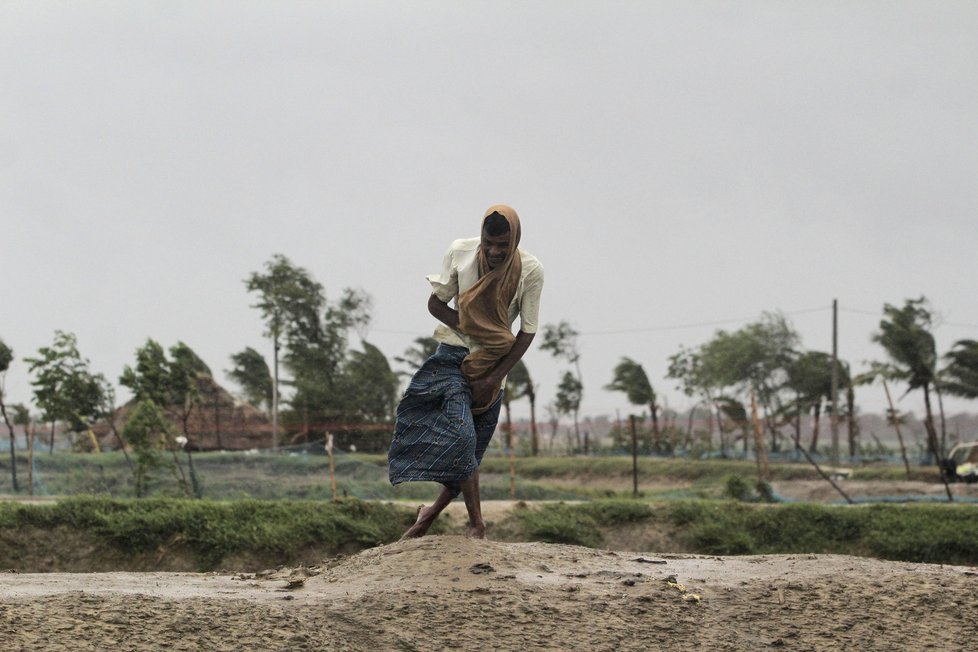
852 426
724 439
631 420
797 423
188 446
118 438
217 421
30 460
759 451
896 426
940 408
822 473
932 438
275 394
13 454
534 436
817 414
656 432
577 433
179 469
51 447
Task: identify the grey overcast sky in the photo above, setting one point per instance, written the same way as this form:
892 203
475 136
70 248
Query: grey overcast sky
679 167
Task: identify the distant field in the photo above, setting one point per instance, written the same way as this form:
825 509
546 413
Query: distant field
228 476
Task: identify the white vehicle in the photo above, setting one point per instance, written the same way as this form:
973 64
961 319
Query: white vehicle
961 464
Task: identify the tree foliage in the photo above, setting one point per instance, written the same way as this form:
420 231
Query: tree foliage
369 386
65 388
960 376
329 382
251 373
6 357
905 335
414 356
148 432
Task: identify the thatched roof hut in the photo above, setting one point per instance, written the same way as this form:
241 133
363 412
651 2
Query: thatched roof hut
219 421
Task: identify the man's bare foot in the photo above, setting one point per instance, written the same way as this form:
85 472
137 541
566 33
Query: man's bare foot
476 531
420 527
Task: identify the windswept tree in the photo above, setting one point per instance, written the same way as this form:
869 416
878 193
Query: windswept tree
65 388
148 432
753 359
630 378
517 382
561 341
291 303
369 386
696 380
905 335
172 383
810 378
414 356
251 373
6 357
568 401
315 336
520 384
960 376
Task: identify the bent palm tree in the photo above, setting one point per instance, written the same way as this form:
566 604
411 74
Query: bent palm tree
630 378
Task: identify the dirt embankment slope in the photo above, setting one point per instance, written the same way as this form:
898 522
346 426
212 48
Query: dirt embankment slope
448 592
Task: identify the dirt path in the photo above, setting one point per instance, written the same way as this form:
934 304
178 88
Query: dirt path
448 592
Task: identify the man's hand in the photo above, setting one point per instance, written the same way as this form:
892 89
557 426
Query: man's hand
483 389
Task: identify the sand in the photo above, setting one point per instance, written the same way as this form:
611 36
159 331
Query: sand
449 592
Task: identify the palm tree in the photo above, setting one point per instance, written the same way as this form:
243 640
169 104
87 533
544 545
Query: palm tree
630 378
810 376
960 376
905 336
518 385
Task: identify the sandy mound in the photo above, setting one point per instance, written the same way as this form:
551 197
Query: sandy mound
452 593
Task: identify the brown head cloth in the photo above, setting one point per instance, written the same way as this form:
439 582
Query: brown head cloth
483 309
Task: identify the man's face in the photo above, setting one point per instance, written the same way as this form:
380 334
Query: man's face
495 248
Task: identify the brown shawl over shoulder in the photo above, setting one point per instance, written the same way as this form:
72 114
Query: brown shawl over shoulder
484 308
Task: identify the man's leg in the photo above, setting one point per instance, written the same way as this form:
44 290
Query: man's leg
470 493
427 515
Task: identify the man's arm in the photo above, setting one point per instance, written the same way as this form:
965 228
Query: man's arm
443 312
484 388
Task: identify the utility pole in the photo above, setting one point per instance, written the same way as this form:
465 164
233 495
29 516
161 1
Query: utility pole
275 392
835 382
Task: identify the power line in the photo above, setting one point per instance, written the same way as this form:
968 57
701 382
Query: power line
718 322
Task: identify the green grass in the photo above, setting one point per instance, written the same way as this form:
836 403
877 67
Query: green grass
215 530
931 533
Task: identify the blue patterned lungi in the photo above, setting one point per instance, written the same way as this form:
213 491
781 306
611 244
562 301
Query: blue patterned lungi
436 437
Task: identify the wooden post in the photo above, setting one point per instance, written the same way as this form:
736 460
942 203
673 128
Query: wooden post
508 426
332 466
631 420
835 383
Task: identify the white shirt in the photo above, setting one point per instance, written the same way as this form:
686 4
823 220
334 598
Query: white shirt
460 271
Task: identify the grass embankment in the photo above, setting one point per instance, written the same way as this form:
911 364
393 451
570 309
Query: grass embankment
176 534
173 534
936 533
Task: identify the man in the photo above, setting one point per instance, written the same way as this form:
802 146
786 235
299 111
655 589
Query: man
449 411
